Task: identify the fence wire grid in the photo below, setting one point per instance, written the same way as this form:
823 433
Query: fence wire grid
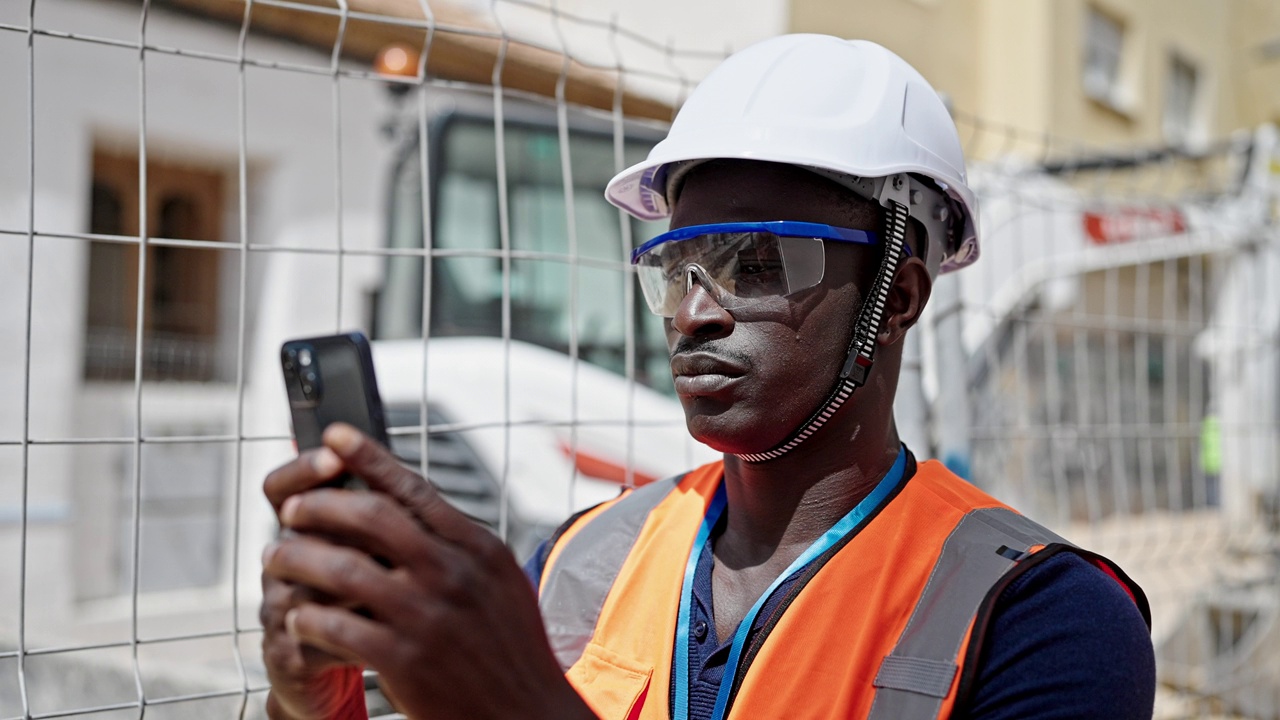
179 195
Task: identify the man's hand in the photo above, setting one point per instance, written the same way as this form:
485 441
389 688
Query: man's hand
306 683
433 602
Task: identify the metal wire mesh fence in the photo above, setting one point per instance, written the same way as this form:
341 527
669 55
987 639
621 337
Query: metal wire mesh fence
184 166
184 185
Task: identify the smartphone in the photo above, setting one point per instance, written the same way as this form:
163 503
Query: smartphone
330 379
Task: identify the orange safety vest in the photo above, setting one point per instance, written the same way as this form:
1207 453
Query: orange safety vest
899 609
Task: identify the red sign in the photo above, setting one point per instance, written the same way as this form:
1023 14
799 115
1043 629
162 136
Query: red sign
1122 225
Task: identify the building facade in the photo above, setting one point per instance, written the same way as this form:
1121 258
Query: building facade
1102 72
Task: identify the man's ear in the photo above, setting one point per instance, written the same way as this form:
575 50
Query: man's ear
907 297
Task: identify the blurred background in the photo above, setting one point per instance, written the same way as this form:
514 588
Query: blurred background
184 184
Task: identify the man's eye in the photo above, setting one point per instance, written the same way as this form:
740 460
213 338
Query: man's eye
754 264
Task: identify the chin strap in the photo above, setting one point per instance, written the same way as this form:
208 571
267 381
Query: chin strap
862 347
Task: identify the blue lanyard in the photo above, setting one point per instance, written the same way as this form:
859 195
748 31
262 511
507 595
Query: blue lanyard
887 484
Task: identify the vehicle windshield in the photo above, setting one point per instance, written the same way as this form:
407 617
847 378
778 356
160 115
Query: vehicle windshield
467 272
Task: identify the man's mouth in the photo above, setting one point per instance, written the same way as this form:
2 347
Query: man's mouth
702 373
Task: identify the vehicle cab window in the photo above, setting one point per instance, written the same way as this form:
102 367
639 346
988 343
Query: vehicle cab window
467 278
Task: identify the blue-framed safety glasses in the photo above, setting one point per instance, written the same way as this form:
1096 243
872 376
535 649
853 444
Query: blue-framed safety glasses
740 262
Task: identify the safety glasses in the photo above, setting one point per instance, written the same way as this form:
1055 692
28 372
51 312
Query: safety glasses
739 263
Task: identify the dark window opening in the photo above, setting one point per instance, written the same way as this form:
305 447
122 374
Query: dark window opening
181 288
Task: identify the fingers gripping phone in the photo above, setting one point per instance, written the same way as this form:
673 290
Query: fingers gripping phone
330 379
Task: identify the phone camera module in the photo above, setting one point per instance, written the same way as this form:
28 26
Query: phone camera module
309 381
301 364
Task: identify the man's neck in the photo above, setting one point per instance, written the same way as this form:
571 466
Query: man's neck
778 508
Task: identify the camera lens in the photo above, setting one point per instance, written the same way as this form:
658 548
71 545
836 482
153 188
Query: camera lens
307 388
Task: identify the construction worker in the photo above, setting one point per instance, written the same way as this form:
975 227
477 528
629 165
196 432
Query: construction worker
815 187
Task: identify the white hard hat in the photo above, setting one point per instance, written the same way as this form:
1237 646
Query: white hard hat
840 107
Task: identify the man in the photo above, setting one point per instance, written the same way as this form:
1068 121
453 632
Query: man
815 187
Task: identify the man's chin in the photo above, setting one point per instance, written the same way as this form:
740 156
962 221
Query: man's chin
722 433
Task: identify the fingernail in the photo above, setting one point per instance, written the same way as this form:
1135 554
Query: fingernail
268 552
291 623
342 438
289 509
326 463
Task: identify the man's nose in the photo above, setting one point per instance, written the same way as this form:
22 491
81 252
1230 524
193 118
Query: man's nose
699 314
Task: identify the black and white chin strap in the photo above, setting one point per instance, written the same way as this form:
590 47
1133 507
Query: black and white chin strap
862 347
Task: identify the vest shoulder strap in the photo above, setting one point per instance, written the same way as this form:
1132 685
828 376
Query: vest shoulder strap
913 680
579 580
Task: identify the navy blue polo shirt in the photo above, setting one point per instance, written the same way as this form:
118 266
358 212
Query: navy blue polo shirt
1065 641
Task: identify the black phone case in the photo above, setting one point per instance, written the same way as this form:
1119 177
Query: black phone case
337 385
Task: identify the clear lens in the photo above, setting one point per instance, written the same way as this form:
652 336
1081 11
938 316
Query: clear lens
742 266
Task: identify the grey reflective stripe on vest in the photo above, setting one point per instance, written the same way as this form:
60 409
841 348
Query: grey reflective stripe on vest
917 675
581 577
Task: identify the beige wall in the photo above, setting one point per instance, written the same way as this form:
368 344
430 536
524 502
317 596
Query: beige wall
1019 62
1257 90
930 34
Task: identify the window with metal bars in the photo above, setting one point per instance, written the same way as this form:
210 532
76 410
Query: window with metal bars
181 306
